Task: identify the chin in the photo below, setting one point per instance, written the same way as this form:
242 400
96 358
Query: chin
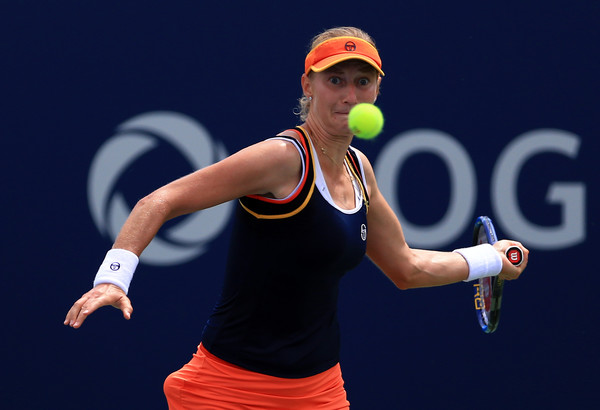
346 133
342 128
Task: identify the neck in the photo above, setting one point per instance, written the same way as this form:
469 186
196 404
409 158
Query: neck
334 149
331 146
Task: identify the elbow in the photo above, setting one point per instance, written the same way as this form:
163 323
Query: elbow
401 281
155 204
402 285
409 277
402 277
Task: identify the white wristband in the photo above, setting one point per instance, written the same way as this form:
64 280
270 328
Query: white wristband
117 268
483 260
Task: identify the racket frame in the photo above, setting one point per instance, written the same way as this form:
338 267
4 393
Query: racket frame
487 291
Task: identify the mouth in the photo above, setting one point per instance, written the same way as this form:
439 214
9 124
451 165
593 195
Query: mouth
343 117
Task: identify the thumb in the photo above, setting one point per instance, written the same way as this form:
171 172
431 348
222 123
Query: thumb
124 304
127 312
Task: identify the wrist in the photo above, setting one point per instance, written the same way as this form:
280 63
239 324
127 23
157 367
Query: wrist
483 261
117 268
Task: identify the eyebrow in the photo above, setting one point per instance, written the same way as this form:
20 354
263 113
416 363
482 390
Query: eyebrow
364 67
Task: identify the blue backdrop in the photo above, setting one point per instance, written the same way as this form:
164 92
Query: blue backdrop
491 108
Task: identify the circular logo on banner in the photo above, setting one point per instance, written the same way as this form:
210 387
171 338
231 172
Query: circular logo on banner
186 239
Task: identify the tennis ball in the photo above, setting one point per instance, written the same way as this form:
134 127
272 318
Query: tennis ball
365 121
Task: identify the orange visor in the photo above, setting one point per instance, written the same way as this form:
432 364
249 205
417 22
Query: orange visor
338 49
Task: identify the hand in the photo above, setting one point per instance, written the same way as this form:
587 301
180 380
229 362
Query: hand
104 294
510 271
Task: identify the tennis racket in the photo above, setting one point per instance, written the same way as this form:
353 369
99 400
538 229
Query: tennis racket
488 291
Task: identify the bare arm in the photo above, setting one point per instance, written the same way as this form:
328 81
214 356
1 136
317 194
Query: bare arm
413 268
270 167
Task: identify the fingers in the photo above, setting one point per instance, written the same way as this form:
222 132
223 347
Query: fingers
76 315
73 313
102 295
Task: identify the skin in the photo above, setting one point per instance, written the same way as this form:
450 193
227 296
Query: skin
334 92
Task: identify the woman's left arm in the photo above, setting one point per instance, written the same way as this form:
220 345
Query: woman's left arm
414 268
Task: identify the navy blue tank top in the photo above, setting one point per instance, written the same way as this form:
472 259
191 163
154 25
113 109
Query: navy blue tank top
277 313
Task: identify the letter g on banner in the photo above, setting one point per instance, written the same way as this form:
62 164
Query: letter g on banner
571 196
135 137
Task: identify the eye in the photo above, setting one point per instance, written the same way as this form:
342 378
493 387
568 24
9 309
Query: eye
364 81
335 80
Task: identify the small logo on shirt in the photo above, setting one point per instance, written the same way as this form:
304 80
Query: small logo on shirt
363 232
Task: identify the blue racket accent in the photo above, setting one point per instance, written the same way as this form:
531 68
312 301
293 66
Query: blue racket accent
487 291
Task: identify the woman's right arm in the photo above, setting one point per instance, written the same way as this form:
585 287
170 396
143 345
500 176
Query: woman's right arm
269 167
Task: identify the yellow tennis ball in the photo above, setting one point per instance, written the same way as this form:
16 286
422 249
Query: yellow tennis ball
365 121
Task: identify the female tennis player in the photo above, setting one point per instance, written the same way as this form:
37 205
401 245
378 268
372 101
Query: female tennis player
308 211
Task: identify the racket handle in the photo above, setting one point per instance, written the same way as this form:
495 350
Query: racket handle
514 255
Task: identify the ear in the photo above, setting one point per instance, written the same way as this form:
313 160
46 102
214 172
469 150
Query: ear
306 85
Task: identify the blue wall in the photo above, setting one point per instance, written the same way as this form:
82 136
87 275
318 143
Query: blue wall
511 89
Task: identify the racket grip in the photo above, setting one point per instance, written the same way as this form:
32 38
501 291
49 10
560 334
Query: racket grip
515 255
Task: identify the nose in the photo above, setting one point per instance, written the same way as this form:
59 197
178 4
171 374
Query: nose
350 96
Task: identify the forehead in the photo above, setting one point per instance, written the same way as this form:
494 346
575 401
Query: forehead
358 65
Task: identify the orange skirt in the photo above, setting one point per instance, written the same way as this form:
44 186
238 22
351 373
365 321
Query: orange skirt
208 382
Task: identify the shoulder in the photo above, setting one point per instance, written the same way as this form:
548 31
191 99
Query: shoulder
289 133
272 166
276 149
286 143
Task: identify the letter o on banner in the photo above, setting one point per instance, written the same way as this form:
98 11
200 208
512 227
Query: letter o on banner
463 190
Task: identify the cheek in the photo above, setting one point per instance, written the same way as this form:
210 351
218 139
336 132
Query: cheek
323 101
371 93
372 97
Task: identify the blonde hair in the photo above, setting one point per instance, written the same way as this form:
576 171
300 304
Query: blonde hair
303 102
